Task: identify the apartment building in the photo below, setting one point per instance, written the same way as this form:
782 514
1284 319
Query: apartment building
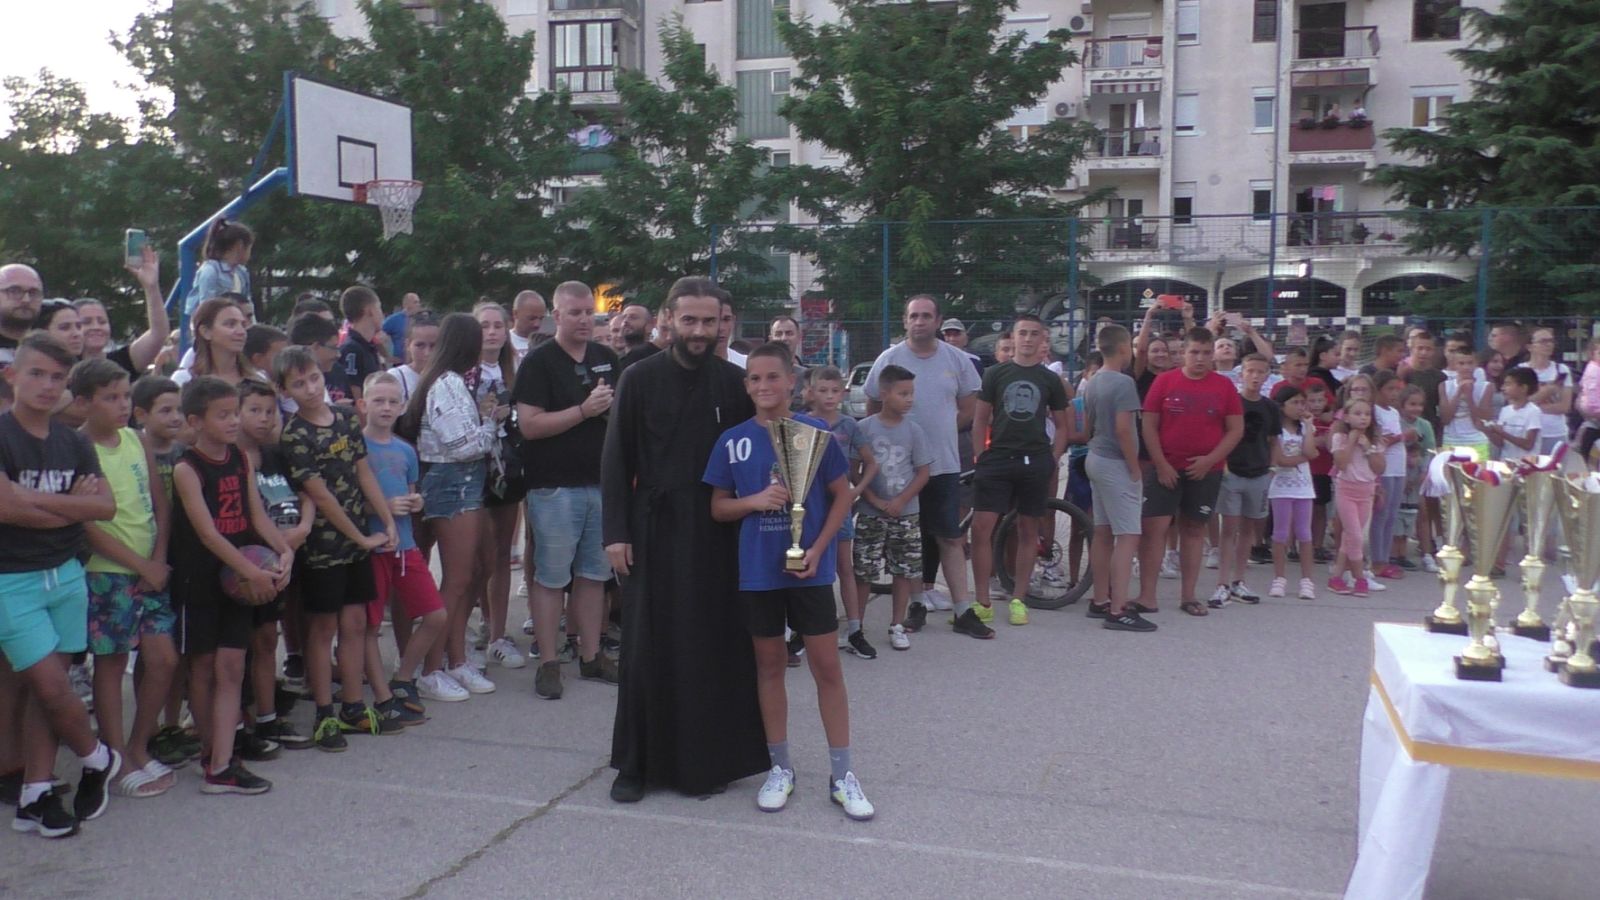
1234 132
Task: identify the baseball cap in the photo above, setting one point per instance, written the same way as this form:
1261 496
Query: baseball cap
952 325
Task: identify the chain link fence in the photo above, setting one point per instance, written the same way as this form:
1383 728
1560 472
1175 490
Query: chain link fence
1294 275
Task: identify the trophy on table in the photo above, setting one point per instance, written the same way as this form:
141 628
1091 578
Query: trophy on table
1538 493
1446 619
799 448
1578 499
1487 493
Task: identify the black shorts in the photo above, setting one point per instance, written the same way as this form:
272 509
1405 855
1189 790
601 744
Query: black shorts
328 591
1020 482
807 610
206 624
1195 500
1323 486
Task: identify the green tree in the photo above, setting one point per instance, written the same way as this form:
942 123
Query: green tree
675 172
1528 137
913 97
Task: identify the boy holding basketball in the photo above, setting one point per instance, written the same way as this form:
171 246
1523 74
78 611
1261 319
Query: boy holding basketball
328 457
216 511
129 608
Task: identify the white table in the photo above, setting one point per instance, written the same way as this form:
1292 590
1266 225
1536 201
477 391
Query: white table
1421 720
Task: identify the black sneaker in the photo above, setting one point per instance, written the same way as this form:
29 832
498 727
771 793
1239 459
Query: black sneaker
627 789
1405 563
11 788
797 648
284 699
252 747
294 672
357 719
916 618
93 789
391 717
235 779
328 737
600 668
1098 610
283 732
405 693
857 643
170 747
547 681
1322 556
47 817
1128 621
969 624
1261 555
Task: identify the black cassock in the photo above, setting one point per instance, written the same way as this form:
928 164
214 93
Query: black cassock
687 714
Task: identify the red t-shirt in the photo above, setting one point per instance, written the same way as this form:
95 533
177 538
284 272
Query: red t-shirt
1323 464
1193 414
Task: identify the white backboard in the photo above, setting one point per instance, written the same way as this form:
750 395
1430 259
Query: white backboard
340 138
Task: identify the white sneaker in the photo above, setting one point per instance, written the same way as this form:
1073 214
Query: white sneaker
774 794
506 654
1428 565
1169 564
477 658
1220 597
439 686
1213 558
847 793
1280 586
898 639
1308 589
527 626
996 592
1053 575
522 589
936 600
1373 584
478 635
470 678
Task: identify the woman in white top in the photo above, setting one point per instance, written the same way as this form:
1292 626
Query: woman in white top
422 334
503 495
1554 397
219 332
454 438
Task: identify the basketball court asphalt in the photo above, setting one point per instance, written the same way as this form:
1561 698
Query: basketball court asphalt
1215 758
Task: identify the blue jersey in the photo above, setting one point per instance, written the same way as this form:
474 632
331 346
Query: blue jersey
744 464
394 464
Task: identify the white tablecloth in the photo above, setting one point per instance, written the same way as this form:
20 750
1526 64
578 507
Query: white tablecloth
1420 719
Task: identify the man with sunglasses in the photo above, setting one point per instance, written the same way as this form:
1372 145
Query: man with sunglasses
21 296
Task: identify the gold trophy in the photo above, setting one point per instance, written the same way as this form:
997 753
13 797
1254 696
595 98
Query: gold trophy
799 448
1444 469
1579 502
1538 494
1487 493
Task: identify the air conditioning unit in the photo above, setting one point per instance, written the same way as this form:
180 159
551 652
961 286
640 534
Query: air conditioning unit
1066 109
1083 24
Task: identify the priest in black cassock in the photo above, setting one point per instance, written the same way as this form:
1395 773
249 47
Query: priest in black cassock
687 714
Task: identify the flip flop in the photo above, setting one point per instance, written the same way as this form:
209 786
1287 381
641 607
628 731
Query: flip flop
1193 607
144 783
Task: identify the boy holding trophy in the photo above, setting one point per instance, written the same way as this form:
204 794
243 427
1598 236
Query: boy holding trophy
784 481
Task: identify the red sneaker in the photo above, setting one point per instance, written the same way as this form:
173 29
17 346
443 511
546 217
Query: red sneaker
1340 586
1391 572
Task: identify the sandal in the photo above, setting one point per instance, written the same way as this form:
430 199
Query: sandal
1193 607
146 782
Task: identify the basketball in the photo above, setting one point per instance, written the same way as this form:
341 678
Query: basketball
233 585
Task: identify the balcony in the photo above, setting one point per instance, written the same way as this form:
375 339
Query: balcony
1125 237
1123 59
1346 234
1134 148
617 7
1333 142
1335 48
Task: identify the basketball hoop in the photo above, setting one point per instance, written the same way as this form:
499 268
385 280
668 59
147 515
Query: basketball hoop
394 199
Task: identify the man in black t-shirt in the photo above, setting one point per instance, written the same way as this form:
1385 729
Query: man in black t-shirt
49 486
563 392
21 295
358 355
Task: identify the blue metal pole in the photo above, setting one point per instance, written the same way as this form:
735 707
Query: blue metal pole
1485 247
885 302
189 246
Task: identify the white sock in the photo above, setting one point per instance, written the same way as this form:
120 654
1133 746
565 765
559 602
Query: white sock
32 791
99 759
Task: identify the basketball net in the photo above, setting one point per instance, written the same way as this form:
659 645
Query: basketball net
394 200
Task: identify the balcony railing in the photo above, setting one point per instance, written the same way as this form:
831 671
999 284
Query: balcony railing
1131 142
1352 228
631 7
1336 43
1332 134
1130 233
1123 52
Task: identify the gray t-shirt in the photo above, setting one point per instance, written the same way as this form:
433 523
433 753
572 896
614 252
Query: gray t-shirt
941 379
899 450
1107 394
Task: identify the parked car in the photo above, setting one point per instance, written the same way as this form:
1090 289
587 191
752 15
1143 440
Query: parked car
855 391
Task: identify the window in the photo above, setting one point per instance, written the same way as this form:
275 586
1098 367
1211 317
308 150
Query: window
1428 106
1263 109
758 105
1183 203
780 81
1260 201
756 34
1265 25
1188 21
585 56
1436 20
1186 113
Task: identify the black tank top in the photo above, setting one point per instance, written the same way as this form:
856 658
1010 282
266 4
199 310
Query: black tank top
222 483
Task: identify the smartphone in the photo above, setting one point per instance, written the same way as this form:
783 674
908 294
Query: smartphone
1233 319
1170 301
133 243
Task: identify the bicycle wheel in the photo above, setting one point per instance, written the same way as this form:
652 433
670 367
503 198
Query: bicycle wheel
1004 537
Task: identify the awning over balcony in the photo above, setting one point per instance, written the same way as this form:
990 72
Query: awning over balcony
1325 78
1125 87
